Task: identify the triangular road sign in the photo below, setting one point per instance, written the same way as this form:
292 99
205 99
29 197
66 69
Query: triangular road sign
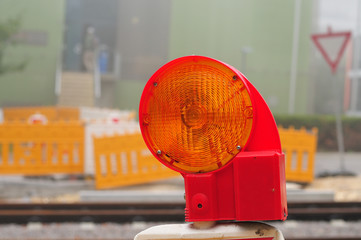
331 45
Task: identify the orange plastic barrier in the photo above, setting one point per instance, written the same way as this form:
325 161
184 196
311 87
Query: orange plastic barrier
299 147
22 114
38 149
126 160
68 114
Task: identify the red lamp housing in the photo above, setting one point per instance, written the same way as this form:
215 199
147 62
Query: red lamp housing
204 119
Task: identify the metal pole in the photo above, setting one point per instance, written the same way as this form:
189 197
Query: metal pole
339 131
356 59
294 59
97 77
58 75
244 52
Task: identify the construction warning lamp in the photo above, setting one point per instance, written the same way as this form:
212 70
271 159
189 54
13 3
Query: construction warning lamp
203 118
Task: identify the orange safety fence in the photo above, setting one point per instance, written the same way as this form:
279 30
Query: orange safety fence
39 149
300 148
126 160
58 147
22 114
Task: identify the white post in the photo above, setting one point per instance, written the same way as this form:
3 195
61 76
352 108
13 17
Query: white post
356 61
339 131
294 59
97 77
58 76
244 52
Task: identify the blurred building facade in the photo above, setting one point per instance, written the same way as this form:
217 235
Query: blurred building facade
252 36
135 38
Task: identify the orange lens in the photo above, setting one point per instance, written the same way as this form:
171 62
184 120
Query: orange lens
196 114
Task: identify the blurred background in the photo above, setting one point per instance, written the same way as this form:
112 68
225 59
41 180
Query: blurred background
269 42
99 54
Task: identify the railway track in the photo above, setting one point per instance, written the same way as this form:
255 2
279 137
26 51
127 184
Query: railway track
322 238
153 212
324 211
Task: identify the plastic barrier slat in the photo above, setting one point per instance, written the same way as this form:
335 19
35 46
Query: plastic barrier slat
133 163
98 129
22 114
299 147
41 149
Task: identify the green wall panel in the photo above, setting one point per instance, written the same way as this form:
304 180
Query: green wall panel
35 84
220 29
128 94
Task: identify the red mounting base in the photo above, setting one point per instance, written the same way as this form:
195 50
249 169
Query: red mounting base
251 188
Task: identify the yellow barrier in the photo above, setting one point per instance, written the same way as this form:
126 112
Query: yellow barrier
126 160
299 147
120 160
68 114
22 114
41 149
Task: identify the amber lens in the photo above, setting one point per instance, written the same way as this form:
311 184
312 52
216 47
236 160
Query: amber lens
196 114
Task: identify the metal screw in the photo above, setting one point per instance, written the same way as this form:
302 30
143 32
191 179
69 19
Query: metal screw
155 84
235 77
239 147
159 152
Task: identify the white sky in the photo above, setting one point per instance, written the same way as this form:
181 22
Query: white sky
341 15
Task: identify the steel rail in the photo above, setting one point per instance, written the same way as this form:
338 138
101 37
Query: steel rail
128 212
326 238
292 238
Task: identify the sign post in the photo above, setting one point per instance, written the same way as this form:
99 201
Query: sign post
333 58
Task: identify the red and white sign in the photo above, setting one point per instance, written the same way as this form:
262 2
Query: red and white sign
331 45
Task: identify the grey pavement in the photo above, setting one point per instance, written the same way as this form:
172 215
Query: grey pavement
331 162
